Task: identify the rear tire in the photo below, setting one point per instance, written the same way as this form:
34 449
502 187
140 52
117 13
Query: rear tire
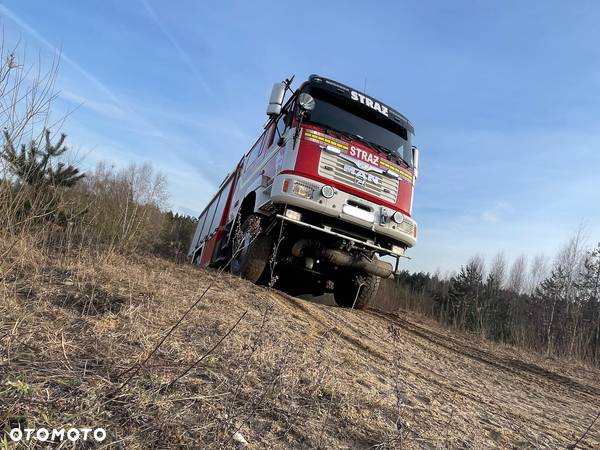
253 249
348 283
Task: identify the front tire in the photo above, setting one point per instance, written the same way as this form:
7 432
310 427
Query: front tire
252 249
347 284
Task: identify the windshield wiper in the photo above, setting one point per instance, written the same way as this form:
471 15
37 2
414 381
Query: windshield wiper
343 133
351 136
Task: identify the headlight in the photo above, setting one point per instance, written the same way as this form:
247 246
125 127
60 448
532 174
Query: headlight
398 217
303 190
327 191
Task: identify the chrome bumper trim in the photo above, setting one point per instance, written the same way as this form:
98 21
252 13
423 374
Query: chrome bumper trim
343 236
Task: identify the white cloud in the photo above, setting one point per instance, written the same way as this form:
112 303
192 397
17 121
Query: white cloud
490 216
493 214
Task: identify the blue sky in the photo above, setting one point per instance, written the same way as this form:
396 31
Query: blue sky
503 96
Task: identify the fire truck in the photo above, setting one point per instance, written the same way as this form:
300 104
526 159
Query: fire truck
322 202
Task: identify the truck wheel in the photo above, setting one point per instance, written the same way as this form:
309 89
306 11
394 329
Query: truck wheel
253 248
347 285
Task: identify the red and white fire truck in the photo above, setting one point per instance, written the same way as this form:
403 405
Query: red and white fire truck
322 195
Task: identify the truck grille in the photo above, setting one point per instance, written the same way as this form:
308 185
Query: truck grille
331 166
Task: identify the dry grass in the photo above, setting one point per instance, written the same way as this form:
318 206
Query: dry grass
292 374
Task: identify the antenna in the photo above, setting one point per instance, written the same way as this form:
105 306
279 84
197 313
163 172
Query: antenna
365 86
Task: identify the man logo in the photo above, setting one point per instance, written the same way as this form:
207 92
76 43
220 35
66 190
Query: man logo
363 165
360 176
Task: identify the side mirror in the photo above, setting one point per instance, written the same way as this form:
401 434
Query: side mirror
306 102
276 99
415 157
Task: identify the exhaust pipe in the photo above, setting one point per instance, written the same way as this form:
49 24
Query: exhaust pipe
299 246
344 259
376 267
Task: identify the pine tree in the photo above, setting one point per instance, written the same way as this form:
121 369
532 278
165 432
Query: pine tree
465 294
34 166
495 304
176 235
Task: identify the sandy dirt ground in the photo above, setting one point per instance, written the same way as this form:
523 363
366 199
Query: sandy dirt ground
291 373
494 395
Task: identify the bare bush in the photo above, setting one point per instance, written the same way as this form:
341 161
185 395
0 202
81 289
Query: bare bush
26 94
538 271
516 276
124 206
27 91
497 273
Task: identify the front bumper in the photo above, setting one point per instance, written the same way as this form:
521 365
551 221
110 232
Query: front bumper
343 206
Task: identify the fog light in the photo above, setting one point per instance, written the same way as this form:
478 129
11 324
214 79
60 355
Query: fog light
303 190
327 191
397 250
398 217
294 215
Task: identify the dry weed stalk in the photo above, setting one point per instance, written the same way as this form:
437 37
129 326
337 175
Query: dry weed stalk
236 252
199 360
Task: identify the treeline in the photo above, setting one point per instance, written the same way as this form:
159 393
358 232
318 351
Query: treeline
59 206
553 308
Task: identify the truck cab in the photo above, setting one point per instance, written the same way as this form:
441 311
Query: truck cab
324 193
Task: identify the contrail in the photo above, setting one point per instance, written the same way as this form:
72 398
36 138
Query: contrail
183 55
95 81
124 108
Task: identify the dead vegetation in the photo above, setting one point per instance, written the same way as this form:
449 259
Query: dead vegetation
290 374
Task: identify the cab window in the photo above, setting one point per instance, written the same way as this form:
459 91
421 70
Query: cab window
280 126
255 151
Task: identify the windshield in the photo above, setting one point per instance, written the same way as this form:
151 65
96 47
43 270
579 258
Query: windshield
346 116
